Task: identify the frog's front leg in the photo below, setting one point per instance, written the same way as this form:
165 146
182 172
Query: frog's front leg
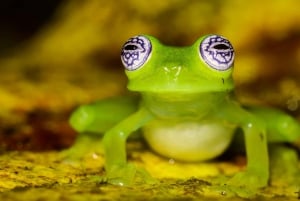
118 171
256 174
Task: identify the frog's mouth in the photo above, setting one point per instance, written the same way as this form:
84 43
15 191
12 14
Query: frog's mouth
181 86
183 97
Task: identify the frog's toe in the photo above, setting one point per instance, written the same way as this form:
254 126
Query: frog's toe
122 175
249 179
230 191
126 175
229 187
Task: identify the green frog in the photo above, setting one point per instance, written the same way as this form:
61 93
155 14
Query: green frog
186 110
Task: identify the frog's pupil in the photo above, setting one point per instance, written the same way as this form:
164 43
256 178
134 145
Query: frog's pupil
130 47
221 47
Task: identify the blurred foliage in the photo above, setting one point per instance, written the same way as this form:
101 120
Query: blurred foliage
73 58
80 46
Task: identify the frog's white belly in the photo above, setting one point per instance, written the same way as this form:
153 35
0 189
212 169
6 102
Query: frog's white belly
188 141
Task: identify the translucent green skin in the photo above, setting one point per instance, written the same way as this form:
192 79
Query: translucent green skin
178 87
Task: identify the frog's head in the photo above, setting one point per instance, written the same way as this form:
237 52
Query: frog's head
205 66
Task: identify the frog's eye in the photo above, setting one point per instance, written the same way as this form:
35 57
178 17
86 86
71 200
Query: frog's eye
135 52
217 52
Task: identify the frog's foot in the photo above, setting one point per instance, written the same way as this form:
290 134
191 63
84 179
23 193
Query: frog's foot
249 179
126 175
244 184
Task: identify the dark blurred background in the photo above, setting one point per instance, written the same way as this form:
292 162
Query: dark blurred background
20 20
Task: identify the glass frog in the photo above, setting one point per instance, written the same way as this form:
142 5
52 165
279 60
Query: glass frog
186 110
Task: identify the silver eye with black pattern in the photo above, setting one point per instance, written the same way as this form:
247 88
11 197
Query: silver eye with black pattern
135 52
217 52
